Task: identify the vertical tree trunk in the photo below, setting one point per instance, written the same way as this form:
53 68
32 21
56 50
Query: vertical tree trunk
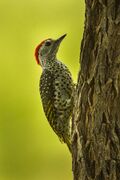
96 117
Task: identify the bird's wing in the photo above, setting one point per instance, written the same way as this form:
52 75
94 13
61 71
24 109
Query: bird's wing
46 91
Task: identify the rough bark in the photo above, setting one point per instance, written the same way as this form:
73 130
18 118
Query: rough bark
96 117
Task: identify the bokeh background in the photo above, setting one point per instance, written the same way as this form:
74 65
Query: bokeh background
29 149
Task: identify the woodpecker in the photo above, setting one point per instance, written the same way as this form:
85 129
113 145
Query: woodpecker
56 89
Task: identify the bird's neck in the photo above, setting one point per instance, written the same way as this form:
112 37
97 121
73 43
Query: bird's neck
48 62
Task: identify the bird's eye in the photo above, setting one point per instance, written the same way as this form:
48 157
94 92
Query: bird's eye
48 43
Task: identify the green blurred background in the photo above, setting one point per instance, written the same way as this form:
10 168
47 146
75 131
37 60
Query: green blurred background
29 149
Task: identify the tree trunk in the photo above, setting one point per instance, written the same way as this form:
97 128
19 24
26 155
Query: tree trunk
96 117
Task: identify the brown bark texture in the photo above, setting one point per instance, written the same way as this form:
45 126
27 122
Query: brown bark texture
96 116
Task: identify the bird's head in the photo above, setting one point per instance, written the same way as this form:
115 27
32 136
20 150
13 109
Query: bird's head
46 51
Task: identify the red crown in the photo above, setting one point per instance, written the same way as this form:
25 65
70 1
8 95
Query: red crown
36 51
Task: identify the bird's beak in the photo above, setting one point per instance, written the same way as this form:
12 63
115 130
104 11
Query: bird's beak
56 44
58 41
